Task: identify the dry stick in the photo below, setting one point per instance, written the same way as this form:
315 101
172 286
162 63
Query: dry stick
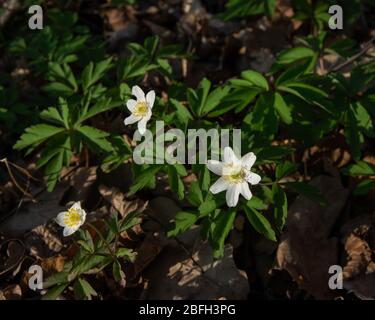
367 46
23 170
5 161
34 196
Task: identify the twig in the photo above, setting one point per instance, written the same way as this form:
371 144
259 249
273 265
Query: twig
367 46
25 192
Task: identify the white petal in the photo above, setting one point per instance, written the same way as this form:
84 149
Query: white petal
68 231
131 119
82 213
229 156
60 218
142 125
248 160
148 115
245 191
150 98
219 186
253 178
138 93
76 205
215 166
233 192
130 104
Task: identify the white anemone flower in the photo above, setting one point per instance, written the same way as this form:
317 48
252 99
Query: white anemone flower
72 219
235 176
141 109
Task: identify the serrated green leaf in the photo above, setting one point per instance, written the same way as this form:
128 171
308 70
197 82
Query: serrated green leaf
95 138
291 55
195 196
221 228
255 78
118 274
35 135
83 290
183 221
144 178
260 223
207 207
284 169
282 109
361 168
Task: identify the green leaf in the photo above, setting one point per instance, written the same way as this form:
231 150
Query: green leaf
282 109
364 187
281 205
214 99
180 168
102 105
183 113
35 135
239 98
256 203
58 89
207 207
53 169
310 94
262 119
52 114
203 90
83 290
256 79
270 7
53 293
195 196
94 72
223 225
364 120
57 144
127 253
244 8
291 55
95 138
87 243
130 221
175 182
260 223
284 169
144 178
118 274
361 168
134 66
183 221
204 178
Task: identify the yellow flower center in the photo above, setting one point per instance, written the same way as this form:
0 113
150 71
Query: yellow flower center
140 109
237 176
72 218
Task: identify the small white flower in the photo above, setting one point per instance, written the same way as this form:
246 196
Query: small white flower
140 109
72 219
235 176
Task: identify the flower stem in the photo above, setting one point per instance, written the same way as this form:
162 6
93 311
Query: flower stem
104 240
